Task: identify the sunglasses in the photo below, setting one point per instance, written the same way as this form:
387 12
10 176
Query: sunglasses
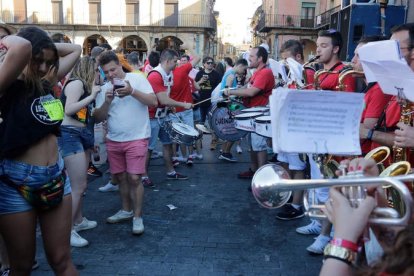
209 62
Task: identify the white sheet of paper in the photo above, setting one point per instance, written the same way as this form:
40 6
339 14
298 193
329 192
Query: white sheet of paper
394 77
317 121
378 51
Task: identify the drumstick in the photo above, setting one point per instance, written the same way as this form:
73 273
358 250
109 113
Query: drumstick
202 101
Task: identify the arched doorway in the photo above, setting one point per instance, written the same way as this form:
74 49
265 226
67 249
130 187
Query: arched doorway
169 42
92 41
61 38
309 48
134 43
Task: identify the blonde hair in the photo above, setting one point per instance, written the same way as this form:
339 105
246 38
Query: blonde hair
84 70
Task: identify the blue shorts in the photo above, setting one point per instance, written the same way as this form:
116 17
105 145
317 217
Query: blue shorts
158 131
186 117
75 140
196 115
257 142
10 199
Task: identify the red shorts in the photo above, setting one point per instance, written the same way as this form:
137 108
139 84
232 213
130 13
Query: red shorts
127 156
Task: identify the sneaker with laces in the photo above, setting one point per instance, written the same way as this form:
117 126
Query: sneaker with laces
289 212
239 149
313 228
246 175
85 225
120 216
109 187
93 171
147 182
177 176
318 245
190 161
76 240
227 157
137 226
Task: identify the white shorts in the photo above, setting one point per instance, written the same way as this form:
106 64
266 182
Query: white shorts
292 159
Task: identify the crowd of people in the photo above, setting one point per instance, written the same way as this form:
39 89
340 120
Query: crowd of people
52 99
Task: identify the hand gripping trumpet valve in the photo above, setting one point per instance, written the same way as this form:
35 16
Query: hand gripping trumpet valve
272 188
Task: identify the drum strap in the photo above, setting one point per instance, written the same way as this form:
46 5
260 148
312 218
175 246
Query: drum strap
167 78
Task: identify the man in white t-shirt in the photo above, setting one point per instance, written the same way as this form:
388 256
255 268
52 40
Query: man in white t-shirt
124 102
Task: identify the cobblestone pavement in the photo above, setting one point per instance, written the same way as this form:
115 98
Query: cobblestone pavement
217 228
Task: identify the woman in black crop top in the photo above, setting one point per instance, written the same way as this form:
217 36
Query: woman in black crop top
77 140
28 148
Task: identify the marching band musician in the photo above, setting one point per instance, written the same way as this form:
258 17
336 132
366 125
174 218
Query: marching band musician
389 131
291 161
256 94
375 100
329 45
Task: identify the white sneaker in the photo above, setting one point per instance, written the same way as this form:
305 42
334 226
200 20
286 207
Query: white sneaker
197 156
314 228
76 240
137 226
109 187
85 225
180 158
239 149
319 244
120 216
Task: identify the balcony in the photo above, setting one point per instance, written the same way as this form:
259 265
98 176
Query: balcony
324 19
272 21
176 20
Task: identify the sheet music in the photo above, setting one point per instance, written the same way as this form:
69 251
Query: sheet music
387 50
394 77
316 121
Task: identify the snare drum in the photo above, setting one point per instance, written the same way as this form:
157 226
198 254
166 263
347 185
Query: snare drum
221 121
263 126
181 133
263 110
245 121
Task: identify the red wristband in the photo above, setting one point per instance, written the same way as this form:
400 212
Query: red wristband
345 244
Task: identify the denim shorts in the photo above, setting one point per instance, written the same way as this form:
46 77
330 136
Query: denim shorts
158 131
185 117
35 176
257 142
75 140
197 115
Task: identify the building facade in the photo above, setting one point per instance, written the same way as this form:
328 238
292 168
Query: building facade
133 25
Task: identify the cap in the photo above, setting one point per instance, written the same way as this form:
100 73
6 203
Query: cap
266 46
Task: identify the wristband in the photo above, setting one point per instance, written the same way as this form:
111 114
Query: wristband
370 134
339 253
132 92
345 244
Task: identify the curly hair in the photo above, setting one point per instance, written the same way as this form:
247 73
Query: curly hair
398 260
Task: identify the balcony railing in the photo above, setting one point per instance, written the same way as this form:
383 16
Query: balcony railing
176 20
325 17
267 21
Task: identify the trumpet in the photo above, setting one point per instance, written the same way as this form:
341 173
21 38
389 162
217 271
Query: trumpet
272 188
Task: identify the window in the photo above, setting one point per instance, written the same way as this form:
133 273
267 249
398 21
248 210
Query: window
94 12
171 13
308 14
57 12
132 12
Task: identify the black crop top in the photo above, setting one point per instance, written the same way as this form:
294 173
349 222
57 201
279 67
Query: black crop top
26 120
85 113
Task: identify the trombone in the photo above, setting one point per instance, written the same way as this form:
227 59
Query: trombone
272 188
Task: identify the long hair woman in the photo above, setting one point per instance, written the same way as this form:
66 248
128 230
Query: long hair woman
32 185
77 138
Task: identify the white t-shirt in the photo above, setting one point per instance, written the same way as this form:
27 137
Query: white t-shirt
128 118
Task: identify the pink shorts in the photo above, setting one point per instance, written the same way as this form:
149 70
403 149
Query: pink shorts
127 156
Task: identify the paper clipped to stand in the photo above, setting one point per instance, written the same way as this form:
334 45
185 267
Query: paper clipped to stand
319 122
376 52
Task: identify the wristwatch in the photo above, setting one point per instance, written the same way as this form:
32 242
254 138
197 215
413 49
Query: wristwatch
339 253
